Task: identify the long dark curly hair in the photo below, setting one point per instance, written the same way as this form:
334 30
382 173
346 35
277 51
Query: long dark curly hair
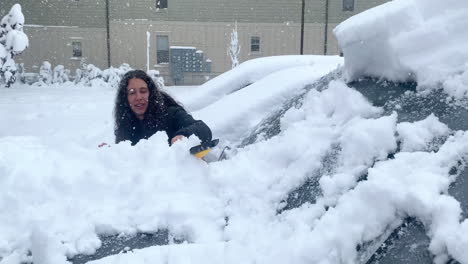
155 116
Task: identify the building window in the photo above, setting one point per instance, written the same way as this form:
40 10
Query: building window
160 4
348 5
255 44
162 49
77 52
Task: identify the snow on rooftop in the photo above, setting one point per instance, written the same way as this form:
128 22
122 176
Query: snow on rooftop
421 40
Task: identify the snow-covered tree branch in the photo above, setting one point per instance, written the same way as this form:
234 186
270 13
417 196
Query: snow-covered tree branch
13 41
234 47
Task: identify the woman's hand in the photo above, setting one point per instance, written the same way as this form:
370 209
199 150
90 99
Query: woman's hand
176 138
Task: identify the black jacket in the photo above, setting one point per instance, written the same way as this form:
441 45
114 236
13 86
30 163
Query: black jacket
176 121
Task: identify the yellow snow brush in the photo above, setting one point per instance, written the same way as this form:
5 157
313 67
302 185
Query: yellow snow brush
201 150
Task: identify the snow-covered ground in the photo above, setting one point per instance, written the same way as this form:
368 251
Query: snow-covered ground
58 191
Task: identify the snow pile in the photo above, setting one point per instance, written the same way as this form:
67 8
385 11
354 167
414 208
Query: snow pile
12 42
418 136
412 184
126 197
421 40
60 191
250 72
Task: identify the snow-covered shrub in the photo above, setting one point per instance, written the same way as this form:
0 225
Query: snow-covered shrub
60 74
87 73
20 72
12 42
45 73
80 72
155 75
93 72
113 75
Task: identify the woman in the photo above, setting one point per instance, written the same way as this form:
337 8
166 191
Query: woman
141 110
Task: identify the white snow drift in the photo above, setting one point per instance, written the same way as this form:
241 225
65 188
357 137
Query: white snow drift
421 40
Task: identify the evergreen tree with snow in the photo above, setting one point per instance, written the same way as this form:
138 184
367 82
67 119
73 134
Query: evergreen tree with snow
234 48
13 41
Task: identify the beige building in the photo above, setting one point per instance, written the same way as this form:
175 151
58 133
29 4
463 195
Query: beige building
186 40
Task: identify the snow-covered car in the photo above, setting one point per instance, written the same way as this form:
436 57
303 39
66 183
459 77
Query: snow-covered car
423 123
407 241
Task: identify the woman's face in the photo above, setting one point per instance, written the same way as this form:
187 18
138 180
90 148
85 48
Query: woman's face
137 96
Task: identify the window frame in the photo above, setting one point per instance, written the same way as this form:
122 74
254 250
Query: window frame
75 44
160 58
161 4
348 5
255 41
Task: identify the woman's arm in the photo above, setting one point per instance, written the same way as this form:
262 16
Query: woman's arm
182 123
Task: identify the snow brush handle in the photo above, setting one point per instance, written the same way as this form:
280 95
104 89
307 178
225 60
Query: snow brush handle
201 150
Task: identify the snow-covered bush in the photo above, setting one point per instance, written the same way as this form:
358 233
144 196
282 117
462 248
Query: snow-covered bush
155 75
12 42
45 73
86 72
19 72
93 72
60 74
79 73
113 75
89 75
